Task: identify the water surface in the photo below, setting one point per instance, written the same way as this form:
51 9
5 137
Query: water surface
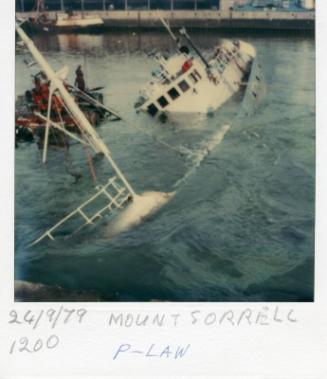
241 225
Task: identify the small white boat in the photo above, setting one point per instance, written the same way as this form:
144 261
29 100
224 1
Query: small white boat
187 82
65 20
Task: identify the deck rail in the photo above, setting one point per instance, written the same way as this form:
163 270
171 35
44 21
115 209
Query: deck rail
114 197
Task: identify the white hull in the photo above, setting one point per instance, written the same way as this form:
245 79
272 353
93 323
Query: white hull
208 96
78 21
206 93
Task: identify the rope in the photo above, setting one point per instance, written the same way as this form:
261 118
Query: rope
68 160
63 137
91 165
129 124
155 139
69 166
88 155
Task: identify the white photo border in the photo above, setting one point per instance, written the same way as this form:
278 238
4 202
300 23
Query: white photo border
276 351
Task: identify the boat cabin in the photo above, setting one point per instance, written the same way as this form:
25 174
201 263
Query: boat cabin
186 83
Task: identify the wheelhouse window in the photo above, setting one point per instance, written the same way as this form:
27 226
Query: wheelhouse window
183 85
173 93
197 75
162 101
193 78
152 110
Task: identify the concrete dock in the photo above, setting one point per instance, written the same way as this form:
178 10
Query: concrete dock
214 19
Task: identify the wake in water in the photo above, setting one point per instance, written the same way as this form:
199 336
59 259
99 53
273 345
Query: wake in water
198 155
137 211
148 203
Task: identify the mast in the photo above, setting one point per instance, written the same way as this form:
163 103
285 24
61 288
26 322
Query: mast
39 6
167 26
184 33
56 83
177 41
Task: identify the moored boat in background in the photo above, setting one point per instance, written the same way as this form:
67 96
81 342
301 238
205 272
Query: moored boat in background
64 21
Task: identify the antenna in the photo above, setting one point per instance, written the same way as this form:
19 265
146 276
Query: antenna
167 26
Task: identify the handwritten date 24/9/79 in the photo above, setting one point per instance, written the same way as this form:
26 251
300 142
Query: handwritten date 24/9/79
50 316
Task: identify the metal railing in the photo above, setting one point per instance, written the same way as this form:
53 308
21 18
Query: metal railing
114 197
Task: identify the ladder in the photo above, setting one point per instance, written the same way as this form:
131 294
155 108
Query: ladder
108 198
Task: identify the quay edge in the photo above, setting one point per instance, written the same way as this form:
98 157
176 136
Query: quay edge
211 19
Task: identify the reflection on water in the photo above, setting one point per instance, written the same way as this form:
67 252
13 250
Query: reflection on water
128 42
241 225
84 42
143 41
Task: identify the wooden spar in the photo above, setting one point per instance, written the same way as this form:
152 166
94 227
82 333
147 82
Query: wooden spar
61 128
47 127
96 142
95 102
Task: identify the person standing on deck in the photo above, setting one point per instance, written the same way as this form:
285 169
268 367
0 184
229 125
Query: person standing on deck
79 81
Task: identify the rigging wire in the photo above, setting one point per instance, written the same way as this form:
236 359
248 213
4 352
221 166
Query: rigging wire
68 159
88 155
91 165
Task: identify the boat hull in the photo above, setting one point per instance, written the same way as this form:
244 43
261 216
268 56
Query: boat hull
65 24
32 27
205 95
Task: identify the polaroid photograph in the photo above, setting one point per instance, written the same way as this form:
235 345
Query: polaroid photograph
164 184
186 155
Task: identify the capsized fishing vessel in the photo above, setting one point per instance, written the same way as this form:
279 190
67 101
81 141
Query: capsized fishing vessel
114 196
189 82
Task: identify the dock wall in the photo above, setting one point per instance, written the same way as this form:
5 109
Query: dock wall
203 19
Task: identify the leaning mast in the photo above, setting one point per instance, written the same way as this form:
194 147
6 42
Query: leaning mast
56 84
